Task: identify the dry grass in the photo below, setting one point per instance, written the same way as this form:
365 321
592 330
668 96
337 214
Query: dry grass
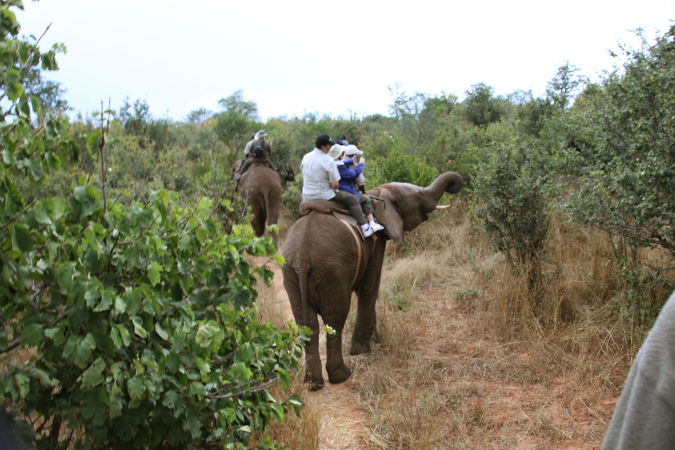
466 360
297 431
467 357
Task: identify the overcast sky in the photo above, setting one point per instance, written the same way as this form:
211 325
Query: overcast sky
339 58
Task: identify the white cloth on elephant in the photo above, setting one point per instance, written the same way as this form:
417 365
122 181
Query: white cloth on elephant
318 172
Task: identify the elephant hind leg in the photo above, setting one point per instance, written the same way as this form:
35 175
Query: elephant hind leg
305 316
335 365
313 372
258 223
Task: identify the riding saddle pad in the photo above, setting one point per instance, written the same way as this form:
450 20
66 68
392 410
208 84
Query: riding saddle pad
331 207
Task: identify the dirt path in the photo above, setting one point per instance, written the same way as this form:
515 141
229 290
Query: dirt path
342 422
448 384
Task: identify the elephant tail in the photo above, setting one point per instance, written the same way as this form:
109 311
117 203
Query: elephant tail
266 196
303 275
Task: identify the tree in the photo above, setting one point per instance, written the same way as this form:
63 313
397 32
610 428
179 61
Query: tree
138 121
237 121
235 103
199 115
123 324
481 107
564 86
631 171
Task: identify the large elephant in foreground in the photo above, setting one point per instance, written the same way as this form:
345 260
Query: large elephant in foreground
327 260
261 187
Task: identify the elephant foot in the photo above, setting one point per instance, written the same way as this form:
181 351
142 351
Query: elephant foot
358 348
339 375
313 384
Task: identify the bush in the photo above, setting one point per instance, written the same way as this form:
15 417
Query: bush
628 189
511 205
140 325
123 325
401 167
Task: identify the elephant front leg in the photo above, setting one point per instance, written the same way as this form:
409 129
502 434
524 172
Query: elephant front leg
367 293
363 330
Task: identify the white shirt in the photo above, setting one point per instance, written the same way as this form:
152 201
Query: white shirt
318 172
247 147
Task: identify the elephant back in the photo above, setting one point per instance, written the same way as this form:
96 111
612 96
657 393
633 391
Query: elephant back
259 177
323 207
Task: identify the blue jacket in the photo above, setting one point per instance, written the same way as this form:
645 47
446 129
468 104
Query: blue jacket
348 175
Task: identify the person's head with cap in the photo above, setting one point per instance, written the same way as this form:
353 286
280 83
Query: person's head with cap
352 150
260 134
336 151
324 142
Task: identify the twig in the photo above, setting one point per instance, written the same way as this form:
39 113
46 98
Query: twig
16 342
102 155
257 388
224 359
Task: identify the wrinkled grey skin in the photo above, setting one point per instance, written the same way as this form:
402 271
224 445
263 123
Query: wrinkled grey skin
261 187
321 256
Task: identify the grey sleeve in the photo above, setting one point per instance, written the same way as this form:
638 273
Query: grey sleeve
645 414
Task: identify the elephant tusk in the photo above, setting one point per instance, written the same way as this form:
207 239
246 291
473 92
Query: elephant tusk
443 206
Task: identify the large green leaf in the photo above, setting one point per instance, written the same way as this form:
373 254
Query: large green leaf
209 334
136 387
139 330
89 198
21 238
93 376
13 87
154 270
84 350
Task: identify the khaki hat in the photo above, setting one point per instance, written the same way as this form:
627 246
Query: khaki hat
352 150
336 151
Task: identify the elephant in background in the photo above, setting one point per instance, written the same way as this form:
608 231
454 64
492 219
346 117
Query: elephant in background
323 269
261 187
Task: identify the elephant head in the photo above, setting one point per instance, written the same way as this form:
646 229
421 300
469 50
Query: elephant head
403 206
287 173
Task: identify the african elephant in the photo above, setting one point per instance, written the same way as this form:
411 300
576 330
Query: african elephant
261 186
323 269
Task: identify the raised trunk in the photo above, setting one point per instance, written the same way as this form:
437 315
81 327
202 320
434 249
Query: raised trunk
450 182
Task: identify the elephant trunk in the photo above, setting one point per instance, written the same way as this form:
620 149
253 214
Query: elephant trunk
450 182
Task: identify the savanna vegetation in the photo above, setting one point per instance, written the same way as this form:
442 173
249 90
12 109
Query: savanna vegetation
130 312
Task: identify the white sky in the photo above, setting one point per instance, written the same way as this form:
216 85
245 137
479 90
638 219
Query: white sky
339 58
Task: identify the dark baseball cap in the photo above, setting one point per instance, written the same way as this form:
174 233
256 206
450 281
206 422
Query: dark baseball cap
323 139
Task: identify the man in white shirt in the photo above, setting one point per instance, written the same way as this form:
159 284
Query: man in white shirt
321 181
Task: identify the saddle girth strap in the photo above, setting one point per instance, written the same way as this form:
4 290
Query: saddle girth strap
359 249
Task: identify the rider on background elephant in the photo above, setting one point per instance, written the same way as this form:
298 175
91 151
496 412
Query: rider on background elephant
257 149
326 261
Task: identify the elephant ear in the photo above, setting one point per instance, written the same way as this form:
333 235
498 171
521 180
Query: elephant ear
387 214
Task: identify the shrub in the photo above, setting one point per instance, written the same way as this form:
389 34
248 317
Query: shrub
628 189
123 325
509 191
399 166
